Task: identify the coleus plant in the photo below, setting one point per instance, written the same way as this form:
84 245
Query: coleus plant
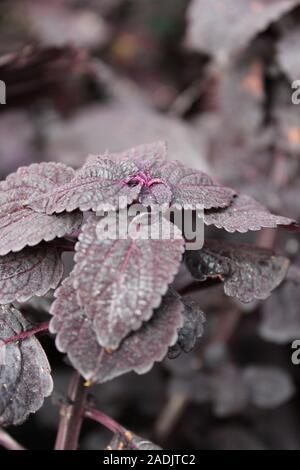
117 311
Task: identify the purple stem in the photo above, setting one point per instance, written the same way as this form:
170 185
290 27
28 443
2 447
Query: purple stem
71 415
109 423
9 442
27 334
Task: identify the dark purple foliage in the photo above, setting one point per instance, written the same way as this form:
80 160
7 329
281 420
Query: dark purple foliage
77 337
245 214
120 282
20 226
118 310
248 273
32 271
109 182
25 378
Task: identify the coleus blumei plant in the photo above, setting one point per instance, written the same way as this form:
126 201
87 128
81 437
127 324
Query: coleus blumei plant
117 311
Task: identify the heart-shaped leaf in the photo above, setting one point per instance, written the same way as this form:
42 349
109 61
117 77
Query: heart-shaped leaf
120 281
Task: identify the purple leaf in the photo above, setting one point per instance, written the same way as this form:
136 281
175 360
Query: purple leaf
20 225
281 315
131 441
119 282
140 174
101 182
98 185
248 272
138 352
225 29
191 330
244 214
33 271
25 378
180 186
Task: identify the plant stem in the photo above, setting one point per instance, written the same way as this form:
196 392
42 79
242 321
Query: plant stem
105 420
27 334
71 415
110 423
9 442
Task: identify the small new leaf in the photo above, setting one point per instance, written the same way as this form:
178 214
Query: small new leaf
33 271
137 352
248 272
25 378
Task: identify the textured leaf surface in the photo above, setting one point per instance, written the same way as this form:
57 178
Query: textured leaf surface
139 174
281 315
244 214
120 282
131 441
269 386
191 330
248 272
101 182
20 225
25 378
98 185
137 352
223 28
32 271
183 186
